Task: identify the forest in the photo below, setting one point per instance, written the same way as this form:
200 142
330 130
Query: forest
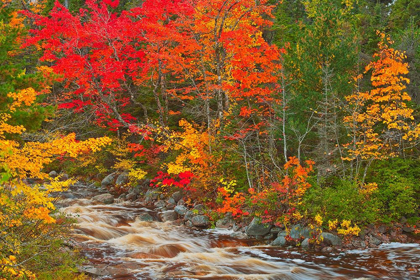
292 112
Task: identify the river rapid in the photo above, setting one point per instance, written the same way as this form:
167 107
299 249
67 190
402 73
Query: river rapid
117 245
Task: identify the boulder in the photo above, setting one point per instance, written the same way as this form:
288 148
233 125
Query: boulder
145 217
200 221
189 215
160 204
171 201
131 196
122 179
226 222
181 210
108 180
181 202
53 174
135 190
177 196
279 241
105 198
305 243
298 232
331 239
375 241
169 216
257 228
408 229
151 195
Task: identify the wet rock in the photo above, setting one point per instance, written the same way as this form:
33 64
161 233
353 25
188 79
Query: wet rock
375 241
177 196
181 202
145 217
382 229
257 228
200 221
68 195
189 215
169 216
305 243
298 232
358 243
135 190
122 196
226 222
94 271
105 198
171 201
53 174
239 235
268 236
151 195
131 196
189 224
160 204
331 239
122 179
408 229
327 249
279 241
181 210
108 180
275 230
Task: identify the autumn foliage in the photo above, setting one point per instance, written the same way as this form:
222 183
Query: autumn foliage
202 97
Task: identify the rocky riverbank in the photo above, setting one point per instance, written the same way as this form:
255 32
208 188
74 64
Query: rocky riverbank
173 208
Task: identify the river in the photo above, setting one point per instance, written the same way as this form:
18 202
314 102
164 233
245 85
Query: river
119 246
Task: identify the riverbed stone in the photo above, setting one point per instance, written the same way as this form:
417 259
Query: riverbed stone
108 180
200 221
373 240
177 196
331 239
171 201
145 217
189 215
181 210
122 179
408 229
169 216
105 198
305 243
151 195
160 204
279 241
131 196
299 231
53 174
257 228
226 222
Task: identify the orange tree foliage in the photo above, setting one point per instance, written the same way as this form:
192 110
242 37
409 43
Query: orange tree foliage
381 118
276 203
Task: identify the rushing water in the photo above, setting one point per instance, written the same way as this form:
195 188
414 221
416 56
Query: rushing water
119 246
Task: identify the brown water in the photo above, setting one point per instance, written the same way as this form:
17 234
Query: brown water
119 246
